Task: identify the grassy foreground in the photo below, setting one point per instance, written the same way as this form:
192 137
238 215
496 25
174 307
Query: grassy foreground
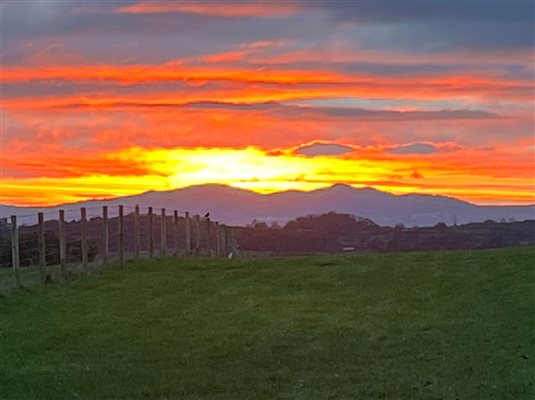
457 325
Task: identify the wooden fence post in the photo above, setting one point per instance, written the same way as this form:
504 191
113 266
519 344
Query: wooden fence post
136 231
223 236
187 227
163 234
62 243
197 219
83 221
105 236
223 241
121 235
15 255
207 241
233 242
217 239
177 251
42 247
151 239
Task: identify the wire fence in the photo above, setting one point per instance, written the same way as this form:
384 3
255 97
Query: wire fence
67 243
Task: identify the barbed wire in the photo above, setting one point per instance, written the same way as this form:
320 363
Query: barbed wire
142 210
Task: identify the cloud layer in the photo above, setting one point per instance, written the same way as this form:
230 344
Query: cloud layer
433 97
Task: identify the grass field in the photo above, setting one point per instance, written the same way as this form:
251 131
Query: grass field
455 325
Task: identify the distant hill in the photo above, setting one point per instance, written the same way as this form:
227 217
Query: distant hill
239 207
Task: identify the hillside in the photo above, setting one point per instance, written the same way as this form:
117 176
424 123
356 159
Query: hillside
456 325
239 207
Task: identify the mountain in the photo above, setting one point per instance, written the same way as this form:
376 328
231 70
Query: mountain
239 207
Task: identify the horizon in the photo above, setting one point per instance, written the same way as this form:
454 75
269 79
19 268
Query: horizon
223 187
102 100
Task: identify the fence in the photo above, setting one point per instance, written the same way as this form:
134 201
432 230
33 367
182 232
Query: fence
77 240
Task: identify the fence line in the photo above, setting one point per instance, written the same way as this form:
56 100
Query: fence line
97 239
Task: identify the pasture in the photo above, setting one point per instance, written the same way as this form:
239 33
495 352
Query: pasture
447 325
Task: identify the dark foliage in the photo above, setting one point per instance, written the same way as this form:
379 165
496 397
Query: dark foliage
333 232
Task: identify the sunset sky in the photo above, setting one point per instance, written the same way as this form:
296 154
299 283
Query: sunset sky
111 98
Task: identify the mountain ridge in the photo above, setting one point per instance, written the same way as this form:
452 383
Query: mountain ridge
240 206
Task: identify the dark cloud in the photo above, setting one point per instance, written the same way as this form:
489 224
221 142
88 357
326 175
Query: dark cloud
411 27
57 18
366 114
323 149
94 30
439 24
296 112
414 148
380 11
290 111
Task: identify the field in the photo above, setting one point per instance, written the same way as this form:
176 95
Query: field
452 325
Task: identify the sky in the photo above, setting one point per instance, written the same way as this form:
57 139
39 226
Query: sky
111 98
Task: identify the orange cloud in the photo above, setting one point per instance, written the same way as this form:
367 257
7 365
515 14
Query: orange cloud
66 165
166 73
241 52
223 9
252 85
339 53
109 126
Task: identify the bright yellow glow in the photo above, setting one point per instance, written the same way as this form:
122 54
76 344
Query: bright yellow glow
254 169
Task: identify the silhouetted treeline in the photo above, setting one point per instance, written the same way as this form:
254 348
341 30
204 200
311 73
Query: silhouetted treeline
333 232
327 233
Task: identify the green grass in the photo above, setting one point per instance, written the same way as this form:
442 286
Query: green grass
452 325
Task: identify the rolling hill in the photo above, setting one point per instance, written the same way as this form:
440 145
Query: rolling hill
238 207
